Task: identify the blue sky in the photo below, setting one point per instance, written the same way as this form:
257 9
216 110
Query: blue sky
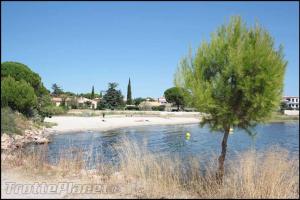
80 44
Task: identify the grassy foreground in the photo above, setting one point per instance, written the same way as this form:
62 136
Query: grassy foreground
142 174
13 122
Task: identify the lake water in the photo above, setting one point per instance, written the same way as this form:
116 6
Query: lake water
170 140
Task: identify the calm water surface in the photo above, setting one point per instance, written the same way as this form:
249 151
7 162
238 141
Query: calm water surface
170 140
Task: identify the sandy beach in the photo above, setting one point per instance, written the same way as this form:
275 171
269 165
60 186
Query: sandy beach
75 123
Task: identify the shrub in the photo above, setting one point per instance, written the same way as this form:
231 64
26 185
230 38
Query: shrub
159 108
73 103
13 122
101 105
8 124
57 110
138 100
132 108
145 105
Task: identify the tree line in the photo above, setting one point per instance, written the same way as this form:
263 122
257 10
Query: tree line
113 98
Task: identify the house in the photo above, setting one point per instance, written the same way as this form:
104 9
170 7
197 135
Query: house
58 100
81 102
162 100
149 103
291 101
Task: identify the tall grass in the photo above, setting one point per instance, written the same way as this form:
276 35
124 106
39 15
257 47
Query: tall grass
13 122
269 174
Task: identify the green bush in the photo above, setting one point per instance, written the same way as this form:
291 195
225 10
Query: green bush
43 105
59 110
18 95
101 105
73 103
132 108
138 100
8 124
159 108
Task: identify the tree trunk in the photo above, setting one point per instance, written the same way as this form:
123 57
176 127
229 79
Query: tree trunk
221 159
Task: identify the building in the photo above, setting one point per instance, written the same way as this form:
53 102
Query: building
162 100
149 103
58 100
291 101
81 102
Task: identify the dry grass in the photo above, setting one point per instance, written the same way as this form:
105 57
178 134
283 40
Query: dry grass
269 174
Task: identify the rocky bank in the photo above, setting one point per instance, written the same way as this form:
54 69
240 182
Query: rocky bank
10 142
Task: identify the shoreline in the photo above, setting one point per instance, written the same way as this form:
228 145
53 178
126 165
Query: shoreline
69 124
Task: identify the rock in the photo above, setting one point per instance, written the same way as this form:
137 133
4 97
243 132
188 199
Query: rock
17 141
5 137
7 142
27 132
19 137
40 140
19 144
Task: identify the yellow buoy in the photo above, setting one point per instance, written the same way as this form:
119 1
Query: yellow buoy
187 135
231 131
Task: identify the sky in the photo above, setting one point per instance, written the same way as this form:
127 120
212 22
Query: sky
81 44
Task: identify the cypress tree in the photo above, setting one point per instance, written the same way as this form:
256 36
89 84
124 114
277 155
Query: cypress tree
129 99
93 93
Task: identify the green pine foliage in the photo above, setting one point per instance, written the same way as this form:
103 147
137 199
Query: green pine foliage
56 90
113 99
176 96
19 72
22 90
18 95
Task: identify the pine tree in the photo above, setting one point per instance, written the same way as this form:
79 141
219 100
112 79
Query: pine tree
56 90
113 99
129 98
236 79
